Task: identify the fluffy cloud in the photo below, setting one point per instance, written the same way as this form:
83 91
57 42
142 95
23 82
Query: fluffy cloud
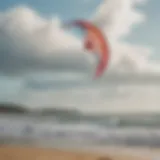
117 19
30 43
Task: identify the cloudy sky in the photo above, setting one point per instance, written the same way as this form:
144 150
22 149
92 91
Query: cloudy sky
41 64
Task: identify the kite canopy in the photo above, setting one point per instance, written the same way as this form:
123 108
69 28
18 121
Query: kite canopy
94 41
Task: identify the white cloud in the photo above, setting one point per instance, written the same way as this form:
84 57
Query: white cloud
117 19
36 43
31 43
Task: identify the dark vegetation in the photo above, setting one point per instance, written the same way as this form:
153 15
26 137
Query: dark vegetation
19 109
12 108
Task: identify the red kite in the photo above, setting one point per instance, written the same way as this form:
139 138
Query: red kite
95 42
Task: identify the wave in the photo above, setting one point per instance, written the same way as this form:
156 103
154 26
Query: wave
85 133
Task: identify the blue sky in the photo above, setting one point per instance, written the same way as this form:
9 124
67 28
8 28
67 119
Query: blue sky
148 33
24 51
68 9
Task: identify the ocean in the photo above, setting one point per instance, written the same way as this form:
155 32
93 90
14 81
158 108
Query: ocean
52 131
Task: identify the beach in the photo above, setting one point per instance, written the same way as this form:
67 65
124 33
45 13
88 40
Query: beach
16 152
42 138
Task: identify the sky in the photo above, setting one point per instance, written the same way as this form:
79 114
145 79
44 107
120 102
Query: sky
43 65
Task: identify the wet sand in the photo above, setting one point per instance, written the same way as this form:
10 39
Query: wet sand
33 153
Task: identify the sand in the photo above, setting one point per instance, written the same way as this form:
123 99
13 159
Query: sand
31 153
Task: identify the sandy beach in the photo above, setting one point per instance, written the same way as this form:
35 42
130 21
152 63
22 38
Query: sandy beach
33 153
